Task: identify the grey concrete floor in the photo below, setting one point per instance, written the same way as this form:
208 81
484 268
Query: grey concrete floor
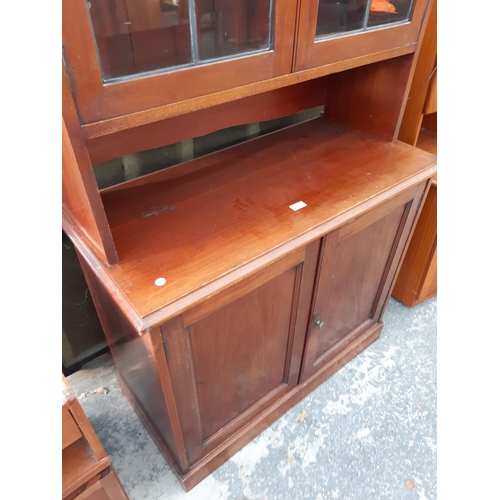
370 431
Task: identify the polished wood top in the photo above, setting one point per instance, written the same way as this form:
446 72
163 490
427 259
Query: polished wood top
212 221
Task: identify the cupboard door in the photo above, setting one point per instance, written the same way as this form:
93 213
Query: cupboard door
235 354
357 267
332 31
125 56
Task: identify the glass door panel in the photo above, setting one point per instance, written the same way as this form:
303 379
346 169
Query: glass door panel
231 27
340 16
336 31
336 17
128 56
143 36
385 12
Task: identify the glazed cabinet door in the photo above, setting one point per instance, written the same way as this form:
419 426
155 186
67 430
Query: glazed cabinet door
357 267
233 355
331 31
125 56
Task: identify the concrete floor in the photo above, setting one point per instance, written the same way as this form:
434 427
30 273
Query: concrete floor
370 431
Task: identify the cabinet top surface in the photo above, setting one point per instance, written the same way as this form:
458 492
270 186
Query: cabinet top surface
188 231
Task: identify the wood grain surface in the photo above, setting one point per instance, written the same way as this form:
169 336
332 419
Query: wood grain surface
173 224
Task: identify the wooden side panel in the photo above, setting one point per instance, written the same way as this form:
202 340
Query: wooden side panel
70 430
82 204
413 113
429 286
231 364
418 261
429 123
135 358
371 98
427 139
431 99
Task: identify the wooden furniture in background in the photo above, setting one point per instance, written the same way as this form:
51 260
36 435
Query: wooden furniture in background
422 99
417 280
232 285
87 473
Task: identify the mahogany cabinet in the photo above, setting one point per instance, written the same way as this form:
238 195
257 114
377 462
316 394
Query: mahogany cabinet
231 285
228 305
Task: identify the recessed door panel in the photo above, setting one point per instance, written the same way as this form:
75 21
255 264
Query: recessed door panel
349 281
235 354
239 352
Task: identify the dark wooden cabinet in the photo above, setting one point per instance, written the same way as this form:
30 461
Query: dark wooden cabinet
213 345
231 285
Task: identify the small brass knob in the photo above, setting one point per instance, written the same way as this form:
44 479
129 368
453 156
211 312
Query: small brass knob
318 321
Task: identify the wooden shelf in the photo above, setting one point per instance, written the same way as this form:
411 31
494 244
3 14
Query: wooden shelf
85 465
231 209
79 464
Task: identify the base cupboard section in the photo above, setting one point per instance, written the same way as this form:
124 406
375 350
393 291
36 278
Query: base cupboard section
208 380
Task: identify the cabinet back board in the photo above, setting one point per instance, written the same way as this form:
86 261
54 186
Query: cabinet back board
379 96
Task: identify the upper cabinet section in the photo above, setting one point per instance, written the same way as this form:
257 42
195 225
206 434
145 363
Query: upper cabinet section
331 31
125 56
